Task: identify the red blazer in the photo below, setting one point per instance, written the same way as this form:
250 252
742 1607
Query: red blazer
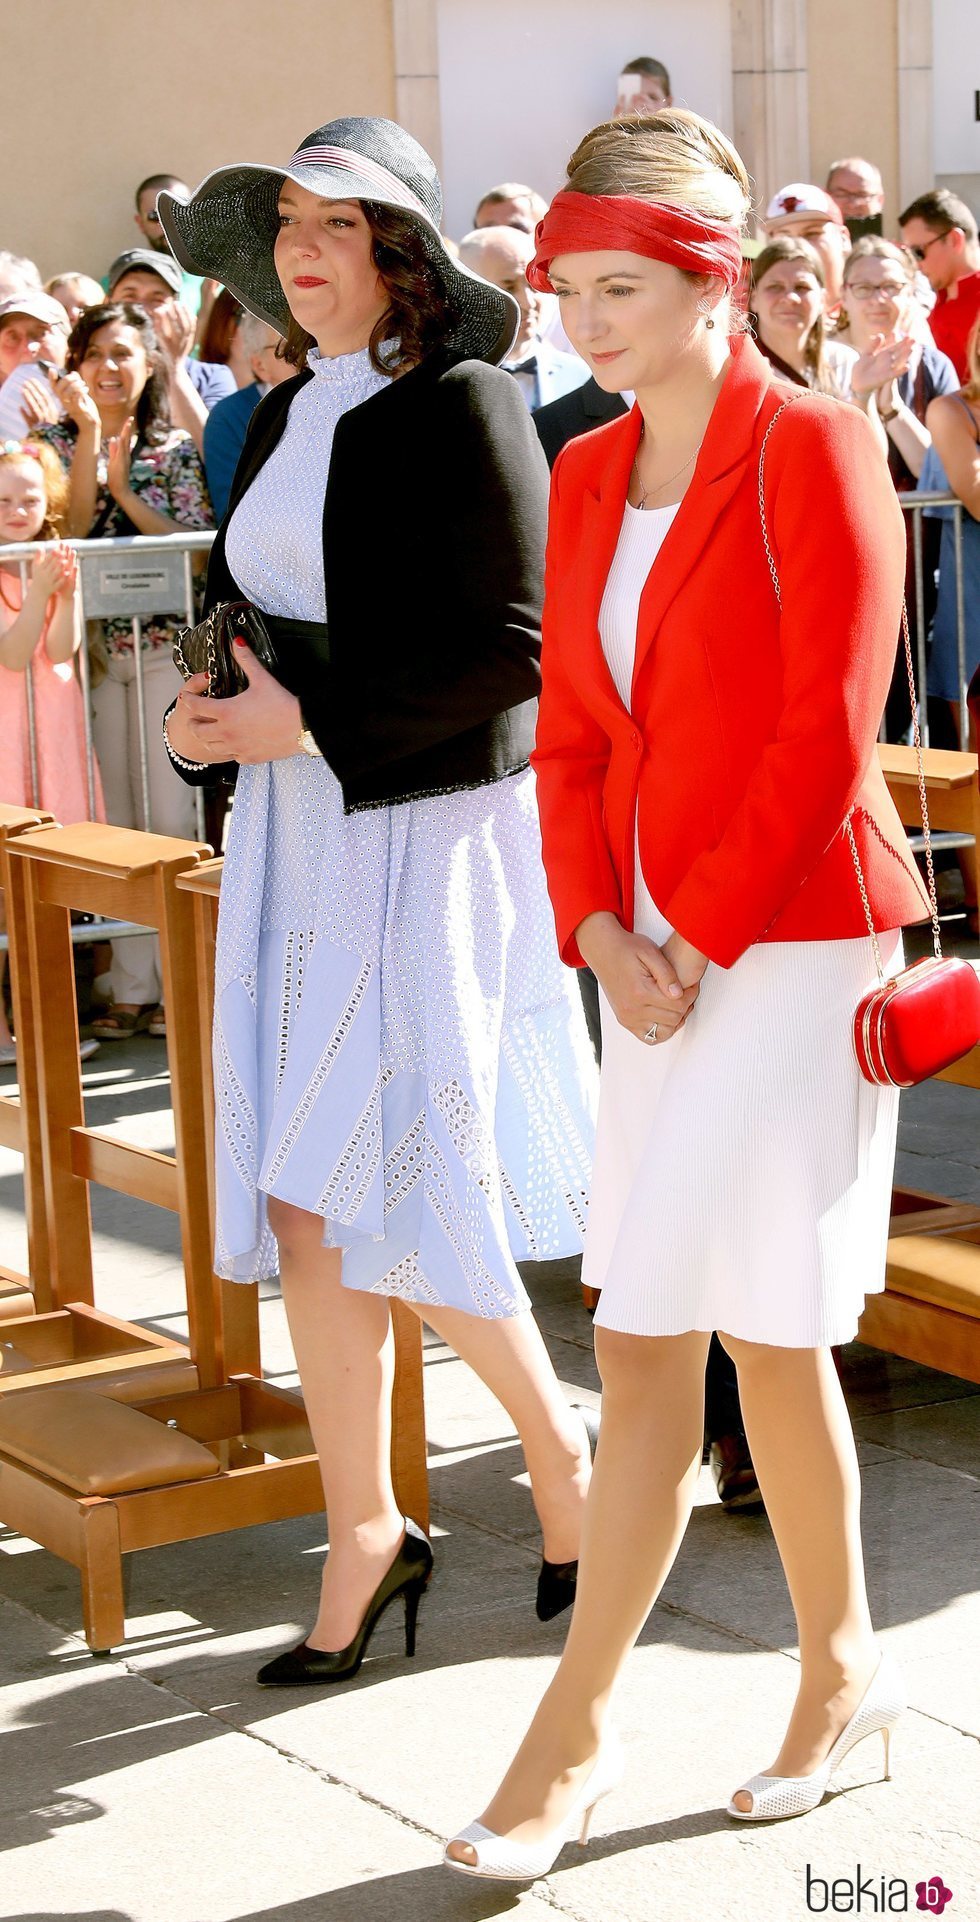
751 732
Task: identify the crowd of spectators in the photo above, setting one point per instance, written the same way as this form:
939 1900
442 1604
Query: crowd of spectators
141 385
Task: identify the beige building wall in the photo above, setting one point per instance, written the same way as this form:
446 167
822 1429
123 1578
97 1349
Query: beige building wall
853 54
96 97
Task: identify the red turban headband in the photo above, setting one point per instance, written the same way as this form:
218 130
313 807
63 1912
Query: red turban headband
603 223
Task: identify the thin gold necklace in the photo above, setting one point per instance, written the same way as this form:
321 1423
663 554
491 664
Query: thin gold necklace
645 491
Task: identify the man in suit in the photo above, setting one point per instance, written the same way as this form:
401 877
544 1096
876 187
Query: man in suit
576 413
501 255
728 1451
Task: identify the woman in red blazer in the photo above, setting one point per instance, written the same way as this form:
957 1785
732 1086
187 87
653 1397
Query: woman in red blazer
723 591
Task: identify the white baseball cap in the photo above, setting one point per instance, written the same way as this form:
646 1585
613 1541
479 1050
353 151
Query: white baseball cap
801 200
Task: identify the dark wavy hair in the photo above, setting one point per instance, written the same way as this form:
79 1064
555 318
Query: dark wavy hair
153 421
420 312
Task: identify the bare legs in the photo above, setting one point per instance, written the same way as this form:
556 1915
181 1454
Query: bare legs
645 1475
345 1356
511 1358
797 1389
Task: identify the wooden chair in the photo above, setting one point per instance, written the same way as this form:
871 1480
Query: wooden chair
94 1475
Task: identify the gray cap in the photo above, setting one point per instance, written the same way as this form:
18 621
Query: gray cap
143 260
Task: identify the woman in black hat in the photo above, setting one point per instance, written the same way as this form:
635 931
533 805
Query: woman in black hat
403 1080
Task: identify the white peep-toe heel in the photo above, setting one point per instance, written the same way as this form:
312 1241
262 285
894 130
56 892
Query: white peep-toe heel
503 1859
774 1797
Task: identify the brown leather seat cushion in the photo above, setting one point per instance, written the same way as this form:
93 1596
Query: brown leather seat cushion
938 1269
96 1446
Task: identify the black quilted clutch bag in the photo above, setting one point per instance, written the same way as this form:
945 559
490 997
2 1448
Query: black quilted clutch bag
209 648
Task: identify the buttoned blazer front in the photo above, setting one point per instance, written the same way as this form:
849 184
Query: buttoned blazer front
752 729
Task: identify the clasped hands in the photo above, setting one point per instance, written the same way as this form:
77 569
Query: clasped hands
878 369
646 986
54 572
261 724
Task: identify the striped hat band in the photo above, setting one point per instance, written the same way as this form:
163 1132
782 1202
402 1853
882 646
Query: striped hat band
388 185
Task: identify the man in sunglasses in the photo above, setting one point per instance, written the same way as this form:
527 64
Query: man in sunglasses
148 221
940 231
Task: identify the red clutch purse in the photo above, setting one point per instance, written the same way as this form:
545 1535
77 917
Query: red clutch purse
920 1021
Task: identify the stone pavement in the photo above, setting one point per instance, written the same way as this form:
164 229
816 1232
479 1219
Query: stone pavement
161 1785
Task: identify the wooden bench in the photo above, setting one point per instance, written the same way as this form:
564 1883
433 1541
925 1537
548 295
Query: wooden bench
930 1309
951 788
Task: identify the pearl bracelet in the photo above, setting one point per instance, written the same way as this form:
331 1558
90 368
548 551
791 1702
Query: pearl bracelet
193 767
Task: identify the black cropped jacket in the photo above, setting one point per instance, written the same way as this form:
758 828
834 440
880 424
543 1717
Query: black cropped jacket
433 540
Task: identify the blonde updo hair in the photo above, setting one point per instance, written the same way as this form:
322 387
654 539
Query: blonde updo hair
672 156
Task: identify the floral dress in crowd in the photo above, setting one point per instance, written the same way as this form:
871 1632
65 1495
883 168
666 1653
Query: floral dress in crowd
169 477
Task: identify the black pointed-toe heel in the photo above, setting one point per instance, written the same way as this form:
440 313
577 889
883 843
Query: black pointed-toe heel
306 1667
557 1580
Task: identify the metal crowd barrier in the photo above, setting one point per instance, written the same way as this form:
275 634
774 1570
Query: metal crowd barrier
120 578
917 505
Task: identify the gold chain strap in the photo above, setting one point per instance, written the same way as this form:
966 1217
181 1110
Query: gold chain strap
916 736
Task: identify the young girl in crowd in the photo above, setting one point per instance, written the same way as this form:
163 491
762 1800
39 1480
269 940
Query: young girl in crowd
40 628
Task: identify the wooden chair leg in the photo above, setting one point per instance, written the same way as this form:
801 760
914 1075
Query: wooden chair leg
103 1607
42 935
240 1324
408 1457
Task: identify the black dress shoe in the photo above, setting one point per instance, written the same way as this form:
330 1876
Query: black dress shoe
311 1667
557 1580
735 1477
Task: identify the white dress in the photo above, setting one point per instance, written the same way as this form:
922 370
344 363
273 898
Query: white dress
743 1169
397 1045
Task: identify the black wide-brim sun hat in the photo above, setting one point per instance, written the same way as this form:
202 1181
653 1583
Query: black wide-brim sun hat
227 230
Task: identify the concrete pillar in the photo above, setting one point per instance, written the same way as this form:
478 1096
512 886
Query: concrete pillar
416 39
916 165
769 79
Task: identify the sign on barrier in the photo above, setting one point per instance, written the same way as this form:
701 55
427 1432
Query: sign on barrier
117 584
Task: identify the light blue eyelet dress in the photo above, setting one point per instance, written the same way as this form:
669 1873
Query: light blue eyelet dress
397 1046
